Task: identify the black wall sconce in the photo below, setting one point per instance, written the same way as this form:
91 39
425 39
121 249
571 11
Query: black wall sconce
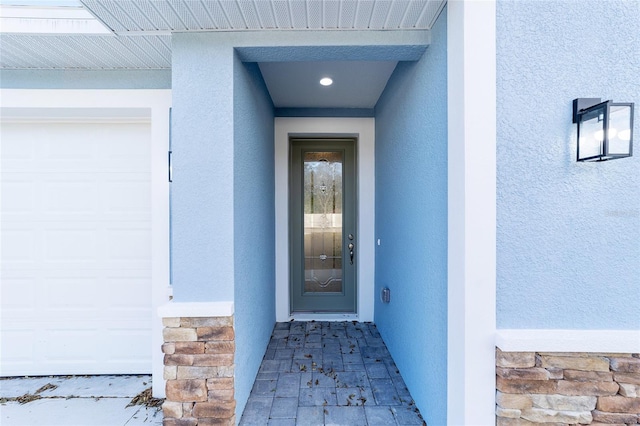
605 129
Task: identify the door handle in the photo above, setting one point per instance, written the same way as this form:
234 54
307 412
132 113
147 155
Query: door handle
351 246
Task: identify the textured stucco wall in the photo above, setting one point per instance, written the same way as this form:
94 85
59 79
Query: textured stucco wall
568 234
411 222
202 190
223 224
254 224
85 79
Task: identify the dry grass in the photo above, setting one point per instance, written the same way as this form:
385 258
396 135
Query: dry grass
146 398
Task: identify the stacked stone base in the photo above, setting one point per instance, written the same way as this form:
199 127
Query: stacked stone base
556 389
199 370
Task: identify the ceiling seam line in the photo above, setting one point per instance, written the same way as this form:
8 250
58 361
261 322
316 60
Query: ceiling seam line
193 15
126 14
273 14
404 15
146 40
99 18
96 17
422 12
10 50
385 25
168 2
43 59
306 14
161 15
135 55
355 15
255 8
244 19
226 16
87 53
208 12
436 15
290 15
161 40
154 60
144 15
112 50
373 9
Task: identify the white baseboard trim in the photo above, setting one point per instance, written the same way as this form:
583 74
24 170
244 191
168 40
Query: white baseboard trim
540 340
195 309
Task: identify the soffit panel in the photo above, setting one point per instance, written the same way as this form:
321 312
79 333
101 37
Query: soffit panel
84 52
141 29
124 16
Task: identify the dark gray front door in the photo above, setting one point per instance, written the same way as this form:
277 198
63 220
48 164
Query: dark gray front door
323 225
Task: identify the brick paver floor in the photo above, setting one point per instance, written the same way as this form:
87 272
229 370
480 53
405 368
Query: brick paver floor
329 373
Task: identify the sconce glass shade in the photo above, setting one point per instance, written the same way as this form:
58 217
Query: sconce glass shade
605 130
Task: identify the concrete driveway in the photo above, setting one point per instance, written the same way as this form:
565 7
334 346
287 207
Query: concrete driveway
77 400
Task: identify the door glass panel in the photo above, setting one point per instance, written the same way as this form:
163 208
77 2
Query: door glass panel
323 222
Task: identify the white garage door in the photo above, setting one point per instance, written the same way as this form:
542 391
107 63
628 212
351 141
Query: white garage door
76 248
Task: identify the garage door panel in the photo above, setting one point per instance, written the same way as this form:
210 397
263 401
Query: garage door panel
17 197
75 146
133 150
76 248
129 244
17 349
18 295
128 197
73 296
71 346
70 245
18 246
70 197
126 294
129 337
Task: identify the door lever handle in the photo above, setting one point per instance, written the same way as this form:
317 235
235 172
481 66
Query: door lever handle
351 246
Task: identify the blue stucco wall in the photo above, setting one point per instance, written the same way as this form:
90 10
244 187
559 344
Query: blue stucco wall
202 192
568 234
85 79
254 224
223 205
411 222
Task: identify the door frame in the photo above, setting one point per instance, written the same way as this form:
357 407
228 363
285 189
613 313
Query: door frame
349 277
363 129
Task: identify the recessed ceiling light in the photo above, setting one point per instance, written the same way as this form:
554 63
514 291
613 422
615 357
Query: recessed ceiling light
326 81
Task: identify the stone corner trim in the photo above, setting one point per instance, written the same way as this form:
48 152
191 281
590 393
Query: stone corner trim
199 369
567 388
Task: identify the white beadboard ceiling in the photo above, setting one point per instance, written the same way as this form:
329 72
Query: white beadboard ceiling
138 36
210 15
27 51
141 29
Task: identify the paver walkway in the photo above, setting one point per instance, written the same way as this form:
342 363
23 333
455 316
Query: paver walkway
329 373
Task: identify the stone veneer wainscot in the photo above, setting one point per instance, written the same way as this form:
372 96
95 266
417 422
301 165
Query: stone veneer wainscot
199 370
567 388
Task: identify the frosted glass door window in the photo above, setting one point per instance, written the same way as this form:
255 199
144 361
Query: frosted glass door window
322 225
323 221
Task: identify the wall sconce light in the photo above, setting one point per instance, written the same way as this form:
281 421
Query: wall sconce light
605 129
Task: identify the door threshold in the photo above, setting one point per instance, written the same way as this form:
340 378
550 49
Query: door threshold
320 316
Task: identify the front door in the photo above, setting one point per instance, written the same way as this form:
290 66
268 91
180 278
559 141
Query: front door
323 225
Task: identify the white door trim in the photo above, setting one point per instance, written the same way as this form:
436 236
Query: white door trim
119 104
364 130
